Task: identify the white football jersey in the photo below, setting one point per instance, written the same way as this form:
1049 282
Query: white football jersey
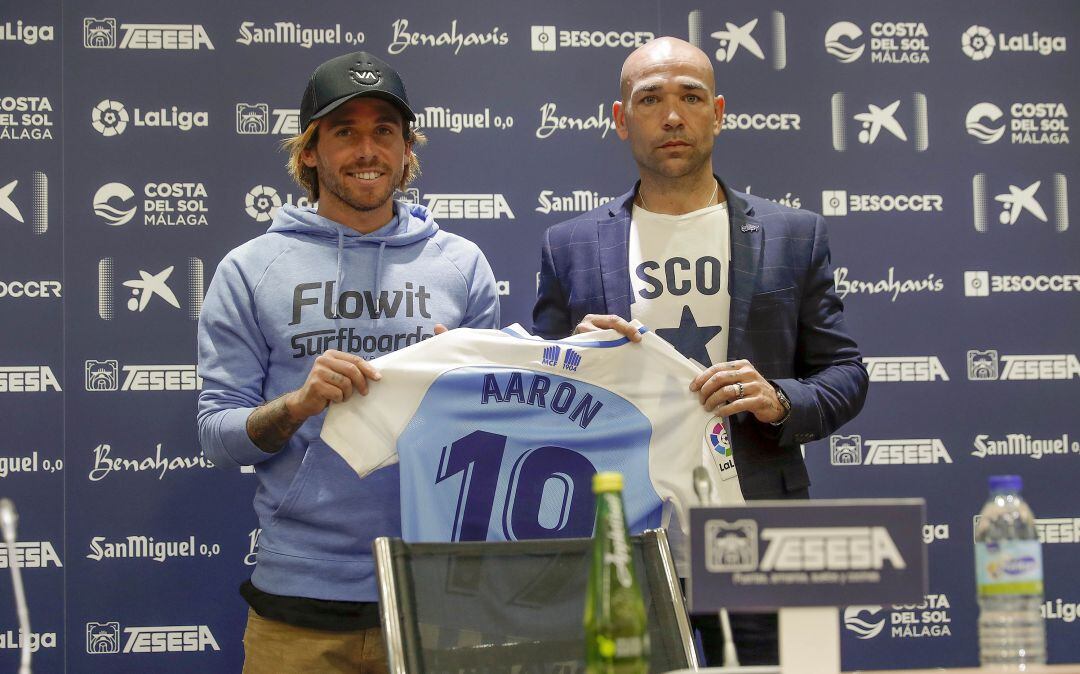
499 433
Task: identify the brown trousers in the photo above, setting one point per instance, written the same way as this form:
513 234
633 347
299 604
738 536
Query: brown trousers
272 647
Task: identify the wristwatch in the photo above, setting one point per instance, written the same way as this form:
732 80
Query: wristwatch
784 402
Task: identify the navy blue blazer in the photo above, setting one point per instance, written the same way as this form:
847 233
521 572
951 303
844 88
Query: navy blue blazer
785 318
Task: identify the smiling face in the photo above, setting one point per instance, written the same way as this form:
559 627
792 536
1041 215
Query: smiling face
360 156
669 113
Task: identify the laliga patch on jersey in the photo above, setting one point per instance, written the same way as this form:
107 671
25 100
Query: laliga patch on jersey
718 446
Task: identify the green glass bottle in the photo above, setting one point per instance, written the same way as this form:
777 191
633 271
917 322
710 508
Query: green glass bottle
616 631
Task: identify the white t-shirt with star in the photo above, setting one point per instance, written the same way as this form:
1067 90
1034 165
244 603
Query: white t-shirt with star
679 279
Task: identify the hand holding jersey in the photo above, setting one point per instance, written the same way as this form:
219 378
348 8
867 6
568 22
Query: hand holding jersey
724 389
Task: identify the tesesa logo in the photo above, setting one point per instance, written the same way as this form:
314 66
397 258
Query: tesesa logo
146 287
738 38
846 450
30 555
27 379
1020 200
36 203
890 42
104 637
462 206
102 33
732 547
254 119
878 118
905 368
983 365
104 375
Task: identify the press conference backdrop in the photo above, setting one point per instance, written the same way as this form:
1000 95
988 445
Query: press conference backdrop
140 143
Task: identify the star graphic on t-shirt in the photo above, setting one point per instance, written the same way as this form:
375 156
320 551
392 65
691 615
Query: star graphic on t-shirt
689 338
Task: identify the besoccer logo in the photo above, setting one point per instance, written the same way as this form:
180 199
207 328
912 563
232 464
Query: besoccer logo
116 193
261 203
738 38
731 546
983 132
982 365
103 637
977 284
1019 200
99 33
847 31
977 43
252 119
864 628
109 118
845 450
102 375
543 38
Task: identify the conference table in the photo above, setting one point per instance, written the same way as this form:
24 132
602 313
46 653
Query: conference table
1031 669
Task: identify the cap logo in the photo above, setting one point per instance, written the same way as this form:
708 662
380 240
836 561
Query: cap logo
365 74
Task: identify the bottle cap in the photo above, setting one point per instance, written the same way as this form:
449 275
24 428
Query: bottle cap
605 482
1006 483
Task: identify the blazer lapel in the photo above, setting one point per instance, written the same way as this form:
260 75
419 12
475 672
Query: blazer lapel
747 249
614 241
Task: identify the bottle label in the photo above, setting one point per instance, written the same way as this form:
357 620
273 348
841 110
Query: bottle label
1008 567
619 554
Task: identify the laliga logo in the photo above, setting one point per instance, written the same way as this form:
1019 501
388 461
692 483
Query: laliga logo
734 37
109 118
114 215
977 43
833 45
974 122
863 628
261 202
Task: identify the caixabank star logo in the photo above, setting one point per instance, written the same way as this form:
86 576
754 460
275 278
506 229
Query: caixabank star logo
149 289
733 40
24 201
884 121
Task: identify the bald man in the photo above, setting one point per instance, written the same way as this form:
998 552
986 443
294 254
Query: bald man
739 284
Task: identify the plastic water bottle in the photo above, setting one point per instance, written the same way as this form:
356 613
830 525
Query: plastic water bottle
1008 572
616 630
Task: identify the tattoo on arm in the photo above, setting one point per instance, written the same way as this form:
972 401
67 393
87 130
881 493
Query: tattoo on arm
270 426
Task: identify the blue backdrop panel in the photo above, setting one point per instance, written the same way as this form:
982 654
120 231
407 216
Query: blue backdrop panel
141 143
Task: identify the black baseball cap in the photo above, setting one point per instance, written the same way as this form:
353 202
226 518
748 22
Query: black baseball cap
346 77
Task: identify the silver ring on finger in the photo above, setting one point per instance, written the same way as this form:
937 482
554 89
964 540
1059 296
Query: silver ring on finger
741 393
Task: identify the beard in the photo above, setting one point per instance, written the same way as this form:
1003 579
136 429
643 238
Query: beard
355 196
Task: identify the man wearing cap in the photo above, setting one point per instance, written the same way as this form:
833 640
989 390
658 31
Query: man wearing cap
738 283
287 327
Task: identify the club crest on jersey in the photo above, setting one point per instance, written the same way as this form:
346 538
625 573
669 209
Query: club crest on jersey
716 439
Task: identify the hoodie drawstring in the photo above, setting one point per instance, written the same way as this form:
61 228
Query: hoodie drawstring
339 277
378 276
